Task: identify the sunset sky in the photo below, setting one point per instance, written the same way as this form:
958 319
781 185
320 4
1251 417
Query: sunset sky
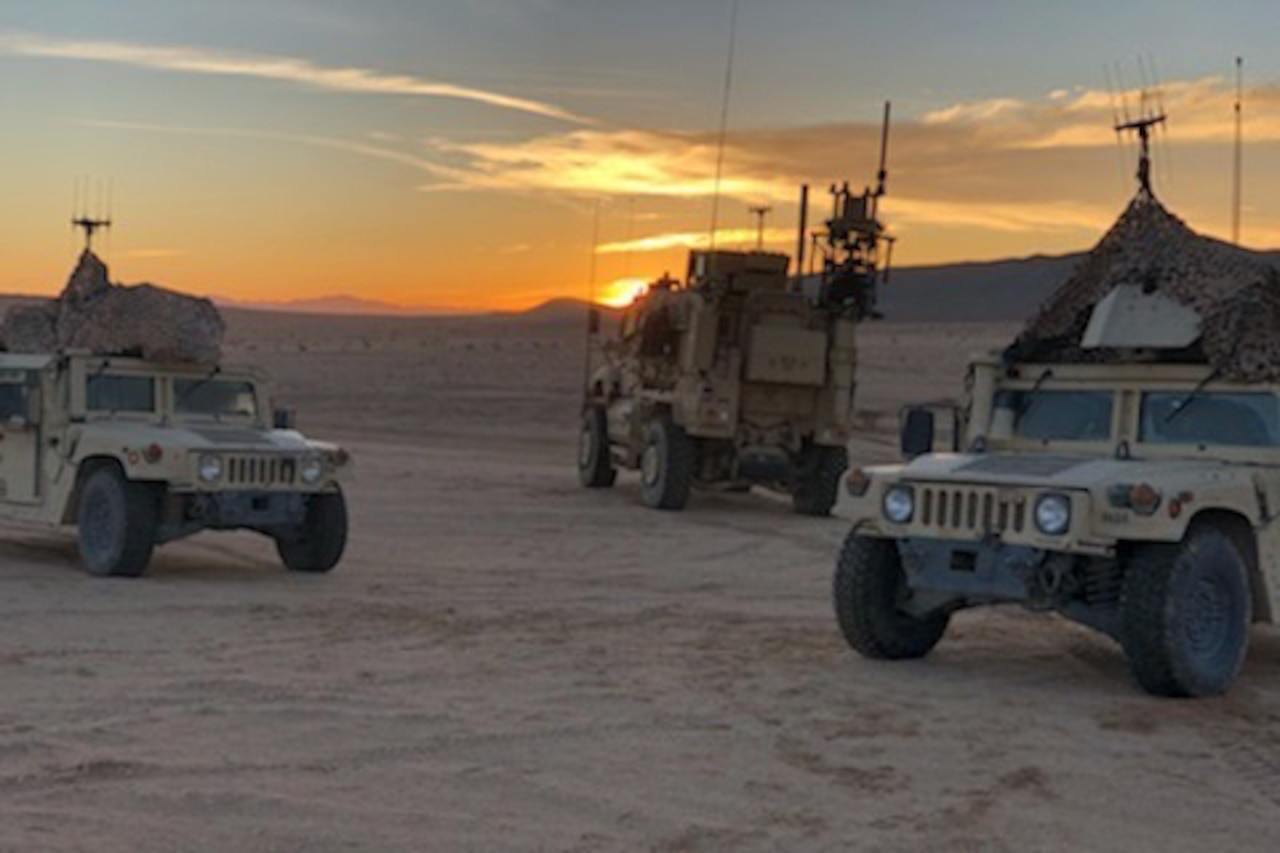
448 154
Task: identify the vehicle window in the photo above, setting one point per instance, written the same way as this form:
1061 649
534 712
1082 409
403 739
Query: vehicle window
214 397
13 400
107 393
1247 419
1063 415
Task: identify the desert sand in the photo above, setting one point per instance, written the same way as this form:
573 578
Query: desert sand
507 661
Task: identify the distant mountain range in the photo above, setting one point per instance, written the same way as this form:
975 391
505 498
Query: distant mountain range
982 291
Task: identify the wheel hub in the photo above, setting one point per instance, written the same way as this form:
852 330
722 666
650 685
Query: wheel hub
1208 621
649 465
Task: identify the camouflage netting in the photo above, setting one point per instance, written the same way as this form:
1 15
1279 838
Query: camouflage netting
1236 293
95 315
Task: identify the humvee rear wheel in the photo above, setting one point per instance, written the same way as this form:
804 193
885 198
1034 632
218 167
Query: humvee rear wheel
666 466
870 588
1186 612
595 467
819 485
316 545
116 524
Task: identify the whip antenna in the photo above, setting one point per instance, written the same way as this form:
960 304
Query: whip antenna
1237 177
724 121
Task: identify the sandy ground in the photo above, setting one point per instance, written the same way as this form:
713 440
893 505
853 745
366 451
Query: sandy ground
506 661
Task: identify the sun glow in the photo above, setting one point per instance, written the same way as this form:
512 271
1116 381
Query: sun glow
621 292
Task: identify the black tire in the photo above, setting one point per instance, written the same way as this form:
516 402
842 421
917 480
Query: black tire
818 488
1185 614
869 586
666 466
595 466
317 544
116 523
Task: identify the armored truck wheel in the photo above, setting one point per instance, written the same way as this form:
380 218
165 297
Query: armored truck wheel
1186 614
116 524
595 467
317 544
666 466
818 487
870 588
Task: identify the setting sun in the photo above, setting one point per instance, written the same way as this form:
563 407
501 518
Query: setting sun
622 292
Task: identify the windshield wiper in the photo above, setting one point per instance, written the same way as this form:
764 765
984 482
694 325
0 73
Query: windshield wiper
1025 402
1196 393
203 381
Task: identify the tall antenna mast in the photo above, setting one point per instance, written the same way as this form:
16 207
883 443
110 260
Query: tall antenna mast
1237 177
724 121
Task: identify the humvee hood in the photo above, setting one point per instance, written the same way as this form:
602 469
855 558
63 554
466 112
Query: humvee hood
1045 470
225 438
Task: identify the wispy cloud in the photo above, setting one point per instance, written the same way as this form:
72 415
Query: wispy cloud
277 68
361 149
623 162
695 240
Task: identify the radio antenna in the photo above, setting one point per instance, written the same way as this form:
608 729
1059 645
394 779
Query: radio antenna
1238 175
724 121
83 216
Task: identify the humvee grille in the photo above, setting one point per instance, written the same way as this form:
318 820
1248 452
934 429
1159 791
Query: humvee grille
261 470
969 510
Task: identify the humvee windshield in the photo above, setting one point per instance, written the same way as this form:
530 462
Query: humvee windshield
214 398
108 393
1061 415
1241 419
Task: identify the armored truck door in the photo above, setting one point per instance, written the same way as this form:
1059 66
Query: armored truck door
19 437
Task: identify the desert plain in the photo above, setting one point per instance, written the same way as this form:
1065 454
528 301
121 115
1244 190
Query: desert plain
505 661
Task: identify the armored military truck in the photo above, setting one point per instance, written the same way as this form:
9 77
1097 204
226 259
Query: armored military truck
740 375
135 454
730 379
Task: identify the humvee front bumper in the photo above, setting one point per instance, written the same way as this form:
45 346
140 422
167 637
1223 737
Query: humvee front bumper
946 574
186 513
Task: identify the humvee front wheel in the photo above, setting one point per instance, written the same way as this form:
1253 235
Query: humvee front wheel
316 545
595 467
116 524
818 487
1185 614
870 588
666 466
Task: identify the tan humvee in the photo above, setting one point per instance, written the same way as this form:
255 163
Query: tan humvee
136 454
1138 499
735 378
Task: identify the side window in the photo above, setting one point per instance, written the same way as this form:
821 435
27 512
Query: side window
13 400
107 393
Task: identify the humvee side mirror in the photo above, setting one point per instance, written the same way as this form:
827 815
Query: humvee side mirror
284 418
917 434
593 320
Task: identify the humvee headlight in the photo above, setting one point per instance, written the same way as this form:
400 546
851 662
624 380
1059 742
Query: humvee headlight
210 468
312 470
1053 514
899 504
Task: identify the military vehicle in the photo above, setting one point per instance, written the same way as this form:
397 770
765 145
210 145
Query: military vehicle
1119 464
740 375
136 454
